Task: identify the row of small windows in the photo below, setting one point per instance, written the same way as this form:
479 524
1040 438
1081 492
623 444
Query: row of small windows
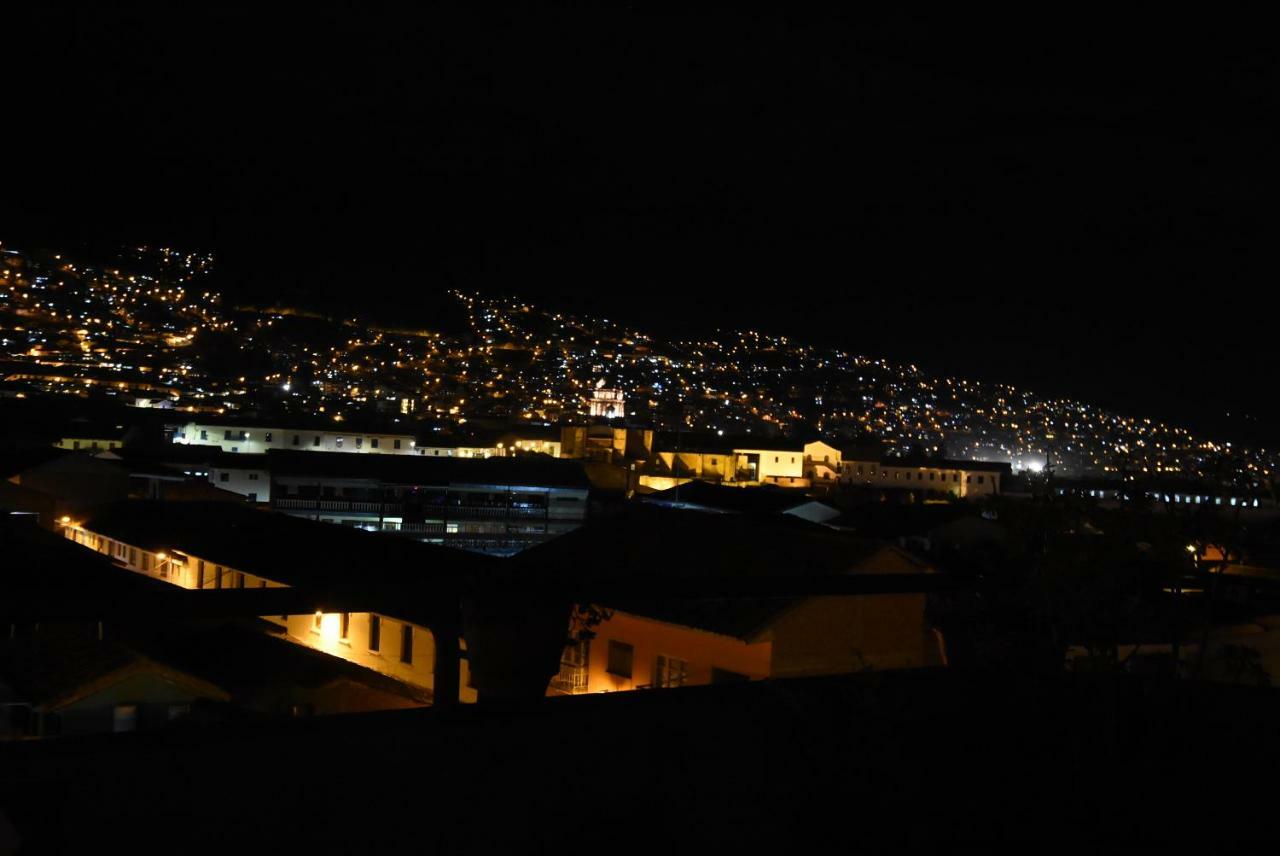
935 476
268 437
667 671
375 634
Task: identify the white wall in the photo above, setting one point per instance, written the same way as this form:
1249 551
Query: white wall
256 439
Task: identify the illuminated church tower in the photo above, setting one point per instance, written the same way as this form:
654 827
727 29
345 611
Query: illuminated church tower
606 403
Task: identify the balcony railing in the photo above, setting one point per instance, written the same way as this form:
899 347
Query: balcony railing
571 680
395 509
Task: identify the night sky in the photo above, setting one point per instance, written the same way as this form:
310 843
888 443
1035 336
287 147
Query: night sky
1081 205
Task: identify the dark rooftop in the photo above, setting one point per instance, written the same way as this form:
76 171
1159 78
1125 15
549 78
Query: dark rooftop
744 500
528 471
656 544
298 552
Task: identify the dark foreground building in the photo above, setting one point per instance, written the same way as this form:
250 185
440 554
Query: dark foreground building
840 764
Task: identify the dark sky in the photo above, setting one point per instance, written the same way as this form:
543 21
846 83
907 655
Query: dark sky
1082 205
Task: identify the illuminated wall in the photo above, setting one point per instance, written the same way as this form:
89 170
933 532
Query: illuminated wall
778 466
957 481
700 651
255 439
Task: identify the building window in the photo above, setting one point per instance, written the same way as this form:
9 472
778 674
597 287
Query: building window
200 574
395 444
359 442
316 441
344 626
316 621
337 442
621 657
406 644
239 579
980 478
669 672
204 435
124 718
297 439
267 437
226 435
373 442
375 633
217 576
224 476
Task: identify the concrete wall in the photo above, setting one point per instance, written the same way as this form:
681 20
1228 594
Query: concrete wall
252 483
840 635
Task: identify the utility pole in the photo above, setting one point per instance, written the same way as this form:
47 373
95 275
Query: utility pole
675 461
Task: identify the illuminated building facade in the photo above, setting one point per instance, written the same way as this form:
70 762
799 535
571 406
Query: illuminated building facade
392 645
606 403
245 438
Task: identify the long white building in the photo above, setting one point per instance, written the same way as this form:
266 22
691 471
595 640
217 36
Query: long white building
256 438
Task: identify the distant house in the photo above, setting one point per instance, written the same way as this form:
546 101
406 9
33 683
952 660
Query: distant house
727 460
66 685
94 437
822 463
676 641
925 476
